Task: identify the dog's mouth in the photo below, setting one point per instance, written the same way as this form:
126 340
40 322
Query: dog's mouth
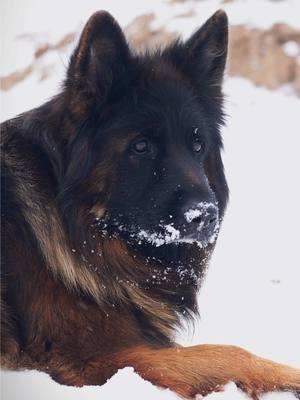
169 234
193 230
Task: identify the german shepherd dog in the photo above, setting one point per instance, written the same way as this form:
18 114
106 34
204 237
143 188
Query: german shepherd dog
113 194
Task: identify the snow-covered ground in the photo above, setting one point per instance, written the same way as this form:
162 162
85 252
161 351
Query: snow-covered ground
251 295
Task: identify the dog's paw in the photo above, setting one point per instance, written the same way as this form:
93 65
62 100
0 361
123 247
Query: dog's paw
252 390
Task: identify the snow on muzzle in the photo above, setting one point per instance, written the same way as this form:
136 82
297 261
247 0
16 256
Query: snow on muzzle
201 226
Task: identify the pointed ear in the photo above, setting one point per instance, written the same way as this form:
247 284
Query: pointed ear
101 58
206 51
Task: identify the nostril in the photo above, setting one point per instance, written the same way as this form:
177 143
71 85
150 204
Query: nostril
197 219
212 220
200 219
193 215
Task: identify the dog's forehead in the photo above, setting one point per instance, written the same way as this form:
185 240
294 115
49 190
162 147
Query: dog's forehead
168 105
159 103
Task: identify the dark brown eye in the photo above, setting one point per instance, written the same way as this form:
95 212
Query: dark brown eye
141 146
197 146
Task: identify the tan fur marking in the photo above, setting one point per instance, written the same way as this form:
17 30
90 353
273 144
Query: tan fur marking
207 368
67 266
98 211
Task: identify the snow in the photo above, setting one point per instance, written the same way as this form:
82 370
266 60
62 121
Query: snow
38 385
173 235
158 239
291 48
201 209
251 295
192 214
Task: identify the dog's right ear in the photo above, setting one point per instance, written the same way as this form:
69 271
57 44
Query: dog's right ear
100 60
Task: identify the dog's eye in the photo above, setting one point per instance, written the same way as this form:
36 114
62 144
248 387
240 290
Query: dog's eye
197 145
141 146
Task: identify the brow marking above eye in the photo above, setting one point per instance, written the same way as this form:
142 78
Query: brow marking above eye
98 211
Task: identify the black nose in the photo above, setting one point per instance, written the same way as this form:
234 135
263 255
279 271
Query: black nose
200 219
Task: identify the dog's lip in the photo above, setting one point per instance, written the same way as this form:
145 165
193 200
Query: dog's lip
162 234
203 237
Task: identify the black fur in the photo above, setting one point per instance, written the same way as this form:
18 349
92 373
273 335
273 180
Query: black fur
76 155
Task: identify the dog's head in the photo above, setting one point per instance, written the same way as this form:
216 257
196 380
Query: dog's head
143 160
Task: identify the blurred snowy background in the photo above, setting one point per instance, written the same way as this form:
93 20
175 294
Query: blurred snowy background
251 296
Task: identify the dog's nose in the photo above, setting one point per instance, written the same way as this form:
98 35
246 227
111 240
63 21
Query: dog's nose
201 217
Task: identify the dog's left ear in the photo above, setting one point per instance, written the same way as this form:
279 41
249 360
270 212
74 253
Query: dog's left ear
206 51
100 61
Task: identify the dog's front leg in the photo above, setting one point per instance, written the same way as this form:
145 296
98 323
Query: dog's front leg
206 368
